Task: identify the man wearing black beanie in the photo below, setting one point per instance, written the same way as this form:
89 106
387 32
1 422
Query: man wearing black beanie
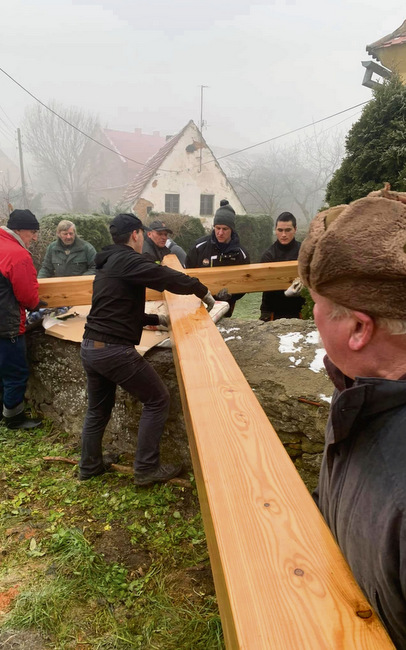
18 292
221 248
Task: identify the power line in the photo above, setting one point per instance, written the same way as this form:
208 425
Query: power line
283 135
74 126
233 153
7 126
9 118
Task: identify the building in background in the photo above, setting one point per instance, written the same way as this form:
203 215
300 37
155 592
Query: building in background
390 51
183 177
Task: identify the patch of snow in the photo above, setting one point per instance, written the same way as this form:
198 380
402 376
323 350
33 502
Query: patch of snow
230 329
229 338
313 338
288 341
292 359
325 398
298 361
317 363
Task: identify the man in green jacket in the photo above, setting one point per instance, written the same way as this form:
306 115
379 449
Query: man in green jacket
68 255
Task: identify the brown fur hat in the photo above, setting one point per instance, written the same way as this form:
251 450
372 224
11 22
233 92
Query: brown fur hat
355 255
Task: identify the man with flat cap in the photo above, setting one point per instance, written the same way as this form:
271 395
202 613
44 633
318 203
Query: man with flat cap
18 292
359 290
221 248
157 244
113 327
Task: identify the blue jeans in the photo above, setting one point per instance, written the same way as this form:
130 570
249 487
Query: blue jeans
109 366
13 373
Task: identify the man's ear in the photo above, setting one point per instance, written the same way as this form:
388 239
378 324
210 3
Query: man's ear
362 330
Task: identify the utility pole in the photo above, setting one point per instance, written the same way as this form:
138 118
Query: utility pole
20 152
201 126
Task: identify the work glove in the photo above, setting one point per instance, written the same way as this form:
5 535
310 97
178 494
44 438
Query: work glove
40 305
223 295
163 321
295 289
209 301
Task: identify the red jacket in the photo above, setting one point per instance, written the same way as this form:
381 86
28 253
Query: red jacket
18 285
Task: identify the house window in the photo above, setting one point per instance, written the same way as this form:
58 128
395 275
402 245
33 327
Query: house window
206 204
149 209
172 203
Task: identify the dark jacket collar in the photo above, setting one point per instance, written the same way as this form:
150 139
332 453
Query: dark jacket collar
363 397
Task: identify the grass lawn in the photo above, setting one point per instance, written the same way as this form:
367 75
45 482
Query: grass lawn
99 564
248 308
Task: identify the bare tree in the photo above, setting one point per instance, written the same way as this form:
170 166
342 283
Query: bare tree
291 178
257 182
66 159
307 166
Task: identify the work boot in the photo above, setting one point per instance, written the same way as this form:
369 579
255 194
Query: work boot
109 459
161 474
21 421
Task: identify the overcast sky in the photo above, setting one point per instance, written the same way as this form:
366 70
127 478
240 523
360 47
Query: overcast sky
270 66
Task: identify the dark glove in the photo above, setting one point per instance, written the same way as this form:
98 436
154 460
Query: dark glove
163 321
40 305
223 295
209 301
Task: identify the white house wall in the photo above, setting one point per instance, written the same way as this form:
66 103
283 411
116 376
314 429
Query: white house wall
182 176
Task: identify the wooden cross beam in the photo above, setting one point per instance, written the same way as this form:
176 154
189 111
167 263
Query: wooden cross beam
281 580
238 279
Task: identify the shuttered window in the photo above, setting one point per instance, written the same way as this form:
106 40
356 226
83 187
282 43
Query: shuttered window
206 204
172 203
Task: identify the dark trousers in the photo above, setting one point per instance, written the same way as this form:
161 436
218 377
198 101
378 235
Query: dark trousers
13 371
276 305
109 366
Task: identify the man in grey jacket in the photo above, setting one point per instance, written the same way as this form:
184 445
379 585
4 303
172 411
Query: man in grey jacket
68 255
359 290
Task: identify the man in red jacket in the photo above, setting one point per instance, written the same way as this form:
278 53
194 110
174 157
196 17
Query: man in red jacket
18 292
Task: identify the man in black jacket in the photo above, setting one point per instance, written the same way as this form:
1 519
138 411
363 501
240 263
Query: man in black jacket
221 248
275 304
113 327
359 290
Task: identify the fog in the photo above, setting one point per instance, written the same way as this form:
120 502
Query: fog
269 66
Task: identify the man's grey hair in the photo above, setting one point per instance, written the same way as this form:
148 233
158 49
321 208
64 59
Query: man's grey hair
390 325
65 225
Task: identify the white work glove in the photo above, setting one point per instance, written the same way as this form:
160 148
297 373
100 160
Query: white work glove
163 321
209 301
223 294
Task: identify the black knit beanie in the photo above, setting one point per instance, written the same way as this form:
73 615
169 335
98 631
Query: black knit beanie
225 215
22 220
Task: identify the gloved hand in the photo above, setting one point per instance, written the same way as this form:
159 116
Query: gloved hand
163 321
223 294
209 301
40 305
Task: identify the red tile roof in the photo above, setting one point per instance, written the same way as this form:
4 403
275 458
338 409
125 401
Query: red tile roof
398 37
135 188
136 145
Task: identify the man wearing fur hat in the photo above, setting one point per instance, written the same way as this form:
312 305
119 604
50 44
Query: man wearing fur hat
18 292
359 290
221 248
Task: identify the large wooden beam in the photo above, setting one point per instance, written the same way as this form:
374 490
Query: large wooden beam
238 279
281 580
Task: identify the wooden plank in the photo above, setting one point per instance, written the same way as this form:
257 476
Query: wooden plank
74 291
281 580
245 278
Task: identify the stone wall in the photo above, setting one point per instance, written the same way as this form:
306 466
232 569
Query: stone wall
276 359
